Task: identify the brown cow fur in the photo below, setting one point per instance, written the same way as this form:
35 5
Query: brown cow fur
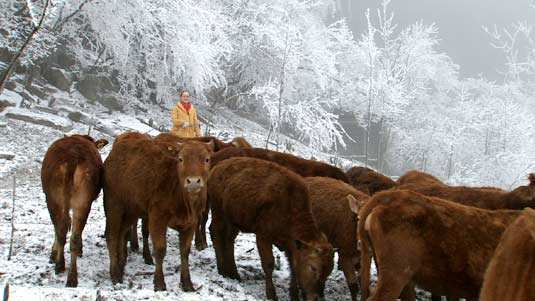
164 181
368 180
71 179
329 200
171 138
510 274
418 178
303 167
481 197
261 197
438 245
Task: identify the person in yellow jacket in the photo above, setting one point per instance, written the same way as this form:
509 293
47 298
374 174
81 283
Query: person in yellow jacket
184 115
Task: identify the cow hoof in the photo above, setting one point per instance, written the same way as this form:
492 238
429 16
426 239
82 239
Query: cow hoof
60 268
201 246
187 286
148 260
159 287
72 282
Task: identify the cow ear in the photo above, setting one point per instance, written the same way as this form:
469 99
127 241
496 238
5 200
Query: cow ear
235 143
211 145
353 204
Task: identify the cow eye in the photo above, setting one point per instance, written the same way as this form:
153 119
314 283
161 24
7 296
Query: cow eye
180 159
207 160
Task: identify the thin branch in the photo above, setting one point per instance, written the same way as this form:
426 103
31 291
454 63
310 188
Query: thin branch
13 62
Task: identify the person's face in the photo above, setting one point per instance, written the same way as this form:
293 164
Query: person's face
184 97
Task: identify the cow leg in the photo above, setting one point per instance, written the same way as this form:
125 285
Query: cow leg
123 247
186 237
268 264
134 243
219 232
230 261
61 221
80 214
408 293
145 233
114 219
200 233
294 288
346 263
64 222
158 233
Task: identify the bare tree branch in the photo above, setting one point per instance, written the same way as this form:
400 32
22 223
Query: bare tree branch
30 37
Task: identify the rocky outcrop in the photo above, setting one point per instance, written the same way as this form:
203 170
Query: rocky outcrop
58 78
40 118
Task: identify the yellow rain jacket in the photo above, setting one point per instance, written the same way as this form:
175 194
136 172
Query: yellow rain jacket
185 124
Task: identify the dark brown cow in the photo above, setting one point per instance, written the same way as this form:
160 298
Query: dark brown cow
481 197
261 197
329 200
163 180
438 245
303 167
368 180
71 179
510 274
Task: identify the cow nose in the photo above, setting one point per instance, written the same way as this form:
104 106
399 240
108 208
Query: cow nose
193 183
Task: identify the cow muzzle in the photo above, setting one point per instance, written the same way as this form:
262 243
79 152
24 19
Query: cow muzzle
193 184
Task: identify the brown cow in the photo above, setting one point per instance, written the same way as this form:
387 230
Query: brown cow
200 233
368 180
481 197
329 200
303 167
71 179
438 245
510 274
261 197
166 182
218 144
418 178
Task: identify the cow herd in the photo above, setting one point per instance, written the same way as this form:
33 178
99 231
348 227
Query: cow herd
458 242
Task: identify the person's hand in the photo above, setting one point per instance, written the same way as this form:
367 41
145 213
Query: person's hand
185 125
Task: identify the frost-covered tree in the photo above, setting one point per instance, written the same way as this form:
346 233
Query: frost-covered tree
293 59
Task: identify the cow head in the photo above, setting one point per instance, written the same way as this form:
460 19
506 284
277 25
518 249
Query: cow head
312 262
193 165
523 196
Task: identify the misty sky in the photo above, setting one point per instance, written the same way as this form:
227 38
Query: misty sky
460 26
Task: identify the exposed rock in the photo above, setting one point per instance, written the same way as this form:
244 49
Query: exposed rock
110 102
59 78
47 109
37 91
45 119
11 85
91 86
7 155
9 99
